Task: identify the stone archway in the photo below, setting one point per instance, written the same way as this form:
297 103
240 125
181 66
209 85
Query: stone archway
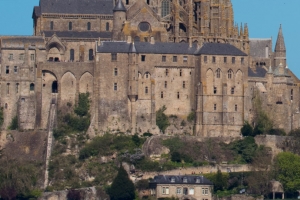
68 88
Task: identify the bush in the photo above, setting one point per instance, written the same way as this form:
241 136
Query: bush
175 157
135 138
191 116
14 124
147 134
247 129
162 120
278 131
83 106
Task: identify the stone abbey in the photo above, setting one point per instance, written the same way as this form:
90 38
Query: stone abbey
137 56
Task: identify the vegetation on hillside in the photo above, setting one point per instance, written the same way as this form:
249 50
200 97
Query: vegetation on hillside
162 120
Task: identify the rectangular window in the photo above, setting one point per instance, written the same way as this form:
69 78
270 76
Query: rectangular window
165 190
225 59
183 84
15 69
174 58
167 72
215 106
213 59
21 56
205 59
242 61
162 95
185 59
7 70
232 90
146 90
51 25
114 57
235 107
192 191
32 57
233 60
115 86
180 72
163 58
143 58
178 190
205 191
11 57
215 90
17 87
116 72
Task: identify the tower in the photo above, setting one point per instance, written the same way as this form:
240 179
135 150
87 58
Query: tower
280 50
119 18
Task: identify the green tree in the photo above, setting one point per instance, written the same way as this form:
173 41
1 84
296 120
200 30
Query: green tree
247 129
137 141
175 157
287 170
162 120
246 148
83 106
122 187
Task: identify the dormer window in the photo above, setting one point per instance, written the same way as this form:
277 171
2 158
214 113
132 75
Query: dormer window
198 180
184 180
173 180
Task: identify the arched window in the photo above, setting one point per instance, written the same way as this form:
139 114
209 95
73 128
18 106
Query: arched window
71 54
91 54
230 72
70 26
165 8
89 26
31 87
218 73
107 26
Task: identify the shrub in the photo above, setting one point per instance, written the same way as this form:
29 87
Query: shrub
83 106
175 157
247 129
161 119
277 131
183 123
147 134
14 124
135 138
191 116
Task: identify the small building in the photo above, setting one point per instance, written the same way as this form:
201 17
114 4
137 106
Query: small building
184 187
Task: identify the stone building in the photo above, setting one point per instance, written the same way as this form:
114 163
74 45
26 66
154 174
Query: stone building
134 57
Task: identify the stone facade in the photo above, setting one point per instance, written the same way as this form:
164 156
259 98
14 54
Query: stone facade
134 57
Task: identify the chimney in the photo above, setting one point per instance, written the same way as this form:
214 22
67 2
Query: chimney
152 41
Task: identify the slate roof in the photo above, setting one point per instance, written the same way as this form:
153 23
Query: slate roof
119 6
220 49
169 48
258 47
76 34
18 42
104 7
167 179
259 72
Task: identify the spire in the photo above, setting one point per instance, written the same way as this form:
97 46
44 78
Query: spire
241 30
119 6
280 45
246 31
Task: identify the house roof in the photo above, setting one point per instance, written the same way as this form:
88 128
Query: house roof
258 72
181 179
103 7
220 49
77 34
258 47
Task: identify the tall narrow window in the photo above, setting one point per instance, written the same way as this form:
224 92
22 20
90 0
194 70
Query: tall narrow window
7 89
71 54
178 96
225 59
174 58
127 2
215 90
166 84
167 72
233 60
21 56
213 59
147 75
51 25
242 61
165 8
17 87
180 72
183 84
15 69
235 107
88 26
116 72
230 72
162 95
32 57
232 90
292 94
113 57
146 90
148 2
215 106
205 59
218 72
31 87
7 70
91 54
115 86
107 26
70 26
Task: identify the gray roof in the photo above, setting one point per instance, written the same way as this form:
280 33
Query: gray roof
258 47
170 179
119 6
220 49
76 34
18 42
258 72
36 11
104 7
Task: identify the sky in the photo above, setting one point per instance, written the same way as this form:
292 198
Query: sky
262 16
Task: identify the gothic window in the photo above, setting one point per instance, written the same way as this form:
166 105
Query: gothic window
71 54
165 8
31 87
91 54
116 72
115 86
89 26
148 2
114 57
230 72
107 26
146 90
70 26
51 25
218 72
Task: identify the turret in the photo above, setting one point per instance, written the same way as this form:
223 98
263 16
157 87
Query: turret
280 50
119 18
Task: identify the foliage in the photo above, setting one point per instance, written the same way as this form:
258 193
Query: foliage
142 184
122 187
183 123
277 131
287 167
247 129
175 157
83 106
137 141
191 116
245 148
14 124
219 179
162 120
147 134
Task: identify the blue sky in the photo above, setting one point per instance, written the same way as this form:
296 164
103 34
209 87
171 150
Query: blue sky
263 17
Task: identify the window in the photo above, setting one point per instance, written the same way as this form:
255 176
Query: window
91 54
70 26
146 90
235 108
88 26
15 69
127 2
205 59
242 61
213 59
232 90
143 58
198 179
148 2
185 191
180 72
178 190
51 25
215 106
71 54
17 87
292 94
115 86
205 191
178 96
167 72
162 95
147 75
163 59
165 8
11 57
230 74
215 90
174 58
7 70
6 106
107 26
233 60
113 57
183 84
173 180
218 72
184 180
225 59
166 84
192 191
116 71
31 87
32 57
7 89
21 56
185 59
165 190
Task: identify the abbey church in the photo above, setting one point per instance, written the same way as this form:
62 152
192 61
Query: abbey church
135 57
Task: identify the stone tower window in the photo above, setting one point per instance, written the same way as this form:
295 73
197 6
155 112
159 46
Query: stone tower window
7 89
166 84
91 54
174 58
70 26
162 95
178 95
232 90
72 54
107 26
127 2
51 25
163 58
146 90
148 2
205 59
15 69
21 56
225 59
7 70
230 72
233 60
31 87
113 57
88 26
235 107
215 90
183 84
17 87
214 59
242 61
165 8
218 72
116 71
215 106
115 86
143 58
167 72
292 94
180 72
